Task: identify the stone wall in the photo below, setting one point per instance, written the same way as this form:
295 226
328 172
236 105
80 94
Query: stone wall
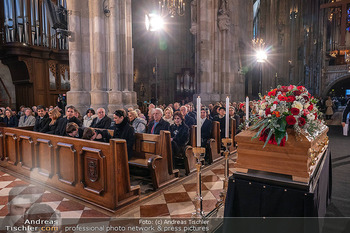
5 75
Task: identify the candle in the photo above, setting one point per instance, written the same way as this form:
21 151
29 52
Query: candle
247 110
199 144
227 117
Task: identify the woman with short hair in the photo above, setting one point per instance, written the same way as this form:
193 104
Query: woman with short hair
168 115
137 123
179 134
9 119
89 117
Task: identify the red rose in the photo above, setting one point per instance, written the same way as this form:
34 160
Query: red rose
297 93
284 89
295 111
290 99
306 98
272 93
315 115
267 111
310 107
291 120
300 88
275 102
302 121
282 98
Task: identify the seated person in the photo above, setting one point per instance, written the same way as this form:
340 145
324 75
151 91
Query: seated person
233 115
137 123
96 135
123 130
42 120
102 121
73 130
89 117
55 117
179 134
61 128
206 127
189 121
9 119
157 124
27 119
222 119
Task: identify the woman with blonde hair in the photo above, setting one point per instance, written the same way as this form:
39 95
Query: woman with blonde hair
168 115
55 117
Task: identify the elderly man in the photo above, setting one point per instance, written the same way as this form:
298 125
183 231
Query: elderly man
189 121
158 123
27 119
102 121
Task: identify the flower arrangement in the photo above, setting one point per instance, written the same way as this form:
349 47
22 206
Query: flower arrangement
282 108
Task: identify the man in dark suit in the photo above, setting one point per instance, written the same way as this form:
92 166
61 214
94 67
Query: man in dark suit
42 120
102 121
206 127
189 121
222 119
61 128
158 123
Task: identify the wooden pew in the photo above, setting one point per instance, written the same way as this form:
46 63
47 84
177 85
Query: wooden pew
187 155
95 172
153 152
214 142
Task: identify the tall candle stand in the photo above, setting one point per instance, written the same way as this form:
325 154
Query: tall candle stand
198 153
227 143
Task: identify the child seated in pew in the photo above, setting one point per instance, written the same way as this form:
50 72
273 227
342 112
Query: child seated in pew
73 130
96 135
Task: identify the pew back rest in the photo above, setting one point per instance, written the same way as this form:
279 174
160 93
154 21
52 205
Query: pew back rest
216 134
65 163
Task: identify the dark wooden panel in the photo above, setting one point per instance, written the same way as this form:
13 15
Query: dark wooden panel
93 170
11 154
26 152
66 163
44 157
148 147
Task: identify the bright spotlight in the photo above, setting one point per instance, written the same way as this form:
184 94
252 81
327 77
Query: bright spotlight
261 56
154 22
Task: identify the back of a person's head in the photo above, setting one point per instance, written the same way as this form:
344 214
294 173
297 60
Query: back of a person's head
88 133
71 127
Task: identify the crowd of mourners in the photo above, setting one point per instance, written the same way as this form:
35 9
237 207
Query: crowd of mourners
176 118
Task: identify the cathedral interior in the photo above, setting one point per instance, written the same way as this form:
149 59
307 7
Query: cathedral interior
102 54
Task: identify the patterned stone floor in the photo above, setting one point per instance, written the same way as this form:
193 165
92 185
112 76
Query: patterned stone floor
175 201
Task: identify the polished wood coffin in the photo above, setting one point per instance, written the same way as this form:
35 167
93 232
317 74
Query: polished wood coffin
91 171
298 158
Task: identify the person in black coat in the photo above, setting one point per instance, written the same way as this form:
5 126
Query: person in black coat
158 123
233 115
206 128
123 130
42 120
96 135
222 119
55 117
189 121
9 119
102 121
179 134
61 127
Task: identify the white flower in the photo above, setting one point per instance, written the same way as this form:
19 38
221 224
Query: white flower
306 105
297 105
273 108
310 117
261 113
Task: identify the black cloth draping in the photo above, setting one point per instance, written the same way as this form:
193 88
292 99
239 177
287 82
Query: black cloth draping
254 197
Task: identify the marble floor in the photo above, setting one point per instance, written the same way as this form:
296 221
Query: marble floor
176 200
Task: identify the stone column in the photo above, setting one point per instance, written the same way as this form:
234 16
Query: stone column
127 66
78 95
114 58
99 95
